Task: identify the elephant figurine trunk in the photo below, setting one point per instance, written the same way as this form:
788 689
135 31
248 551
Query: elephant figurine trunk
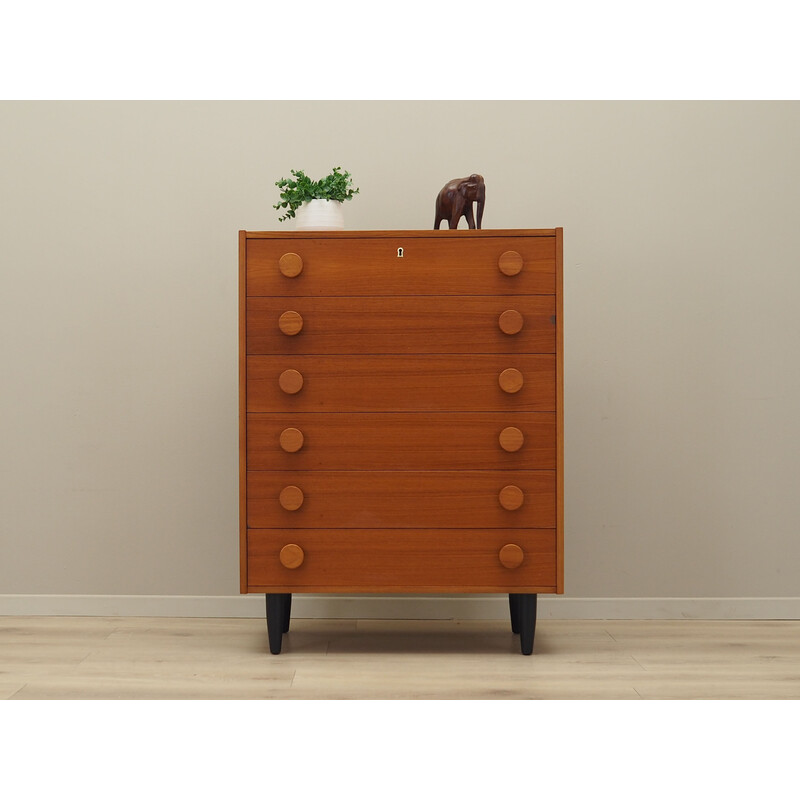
455 201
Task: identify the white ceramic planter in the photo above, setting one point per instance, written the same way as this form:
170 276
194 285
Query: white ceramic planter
319 215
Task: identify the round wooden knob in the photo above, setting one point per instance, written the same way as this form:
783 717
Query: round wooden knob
292 555
511 439
510 263
511 555
510 380
511 497
511 322
290 381
291 498
291 439
290 265
290 323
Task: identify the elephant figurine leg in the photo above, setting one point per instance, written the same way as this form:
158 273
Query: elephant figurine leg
468 215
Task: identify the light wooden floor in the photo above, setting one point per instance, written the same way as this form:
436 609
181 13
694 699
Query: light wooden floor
157 658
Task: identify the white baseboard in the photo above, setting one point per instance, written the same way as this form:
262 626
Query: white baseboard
331 606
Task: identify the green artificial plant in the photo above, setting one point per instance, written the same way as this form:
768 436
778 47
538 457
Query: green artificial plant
300 189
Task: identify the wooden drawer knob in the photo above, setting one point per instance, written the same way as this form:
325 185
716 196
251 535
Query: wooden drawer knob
511 439
292 555
511 555
291 439
290 381
511 497
290 323
291 497
290 265
510 380
510 263
511 322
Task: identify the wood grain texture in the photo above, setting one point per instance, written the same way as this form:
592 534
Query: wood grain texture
559 370
290 265
413 233
401 441
336 325
512 439
511 380
512 321
432 265
401 383
381 560
511 497
290 323
511 556
291 556
290 381
291 498
402 397
401 499
510 262
242 411
290 440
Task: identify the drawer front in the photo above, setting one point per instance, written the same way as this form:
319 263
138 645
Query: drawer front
381 561
432 265
403 499
311 441
325 325
401 383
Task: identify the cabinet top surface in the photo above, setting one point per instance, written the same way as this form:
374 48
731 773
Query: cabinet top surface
348 234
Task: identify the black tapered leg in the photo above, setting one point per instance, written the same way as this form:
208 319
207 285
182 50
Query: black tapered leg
287 612
513 605
276 620
527 622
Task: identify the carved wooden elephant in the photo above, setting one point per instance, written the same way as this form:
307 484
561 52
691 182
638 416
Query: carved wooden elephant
456 199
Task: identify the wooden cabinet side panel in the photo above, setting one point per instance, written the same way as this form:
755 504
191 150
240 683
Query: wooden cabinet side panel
243 411
560 408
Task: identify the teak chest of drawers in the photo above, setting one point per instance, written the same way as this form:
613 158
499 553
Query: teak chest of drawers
401 415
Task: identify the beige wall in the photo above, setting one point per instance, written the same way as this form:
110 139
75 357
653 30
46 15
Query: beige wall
118 403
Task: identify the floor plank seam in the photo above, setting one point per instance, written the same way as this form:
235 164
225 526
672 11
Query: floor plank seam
21 689
81 662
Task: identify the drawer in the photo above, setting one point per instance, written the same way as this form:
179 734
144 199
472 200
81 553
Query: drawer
403 499
493 440
330 325
401 561
401 383
432 265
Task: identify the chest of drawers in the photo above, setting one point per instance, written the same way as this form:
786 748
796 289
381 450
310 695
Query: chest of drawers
401 416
